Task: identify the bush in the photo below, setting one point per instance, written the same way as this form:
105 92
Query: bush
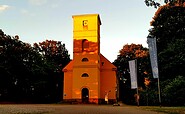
173 92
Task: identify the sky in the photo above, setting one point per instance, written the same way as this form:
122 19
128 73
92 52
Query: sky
123 21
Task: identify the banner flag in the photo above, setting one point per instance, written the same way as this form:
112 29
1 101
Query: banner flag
133 74
153 56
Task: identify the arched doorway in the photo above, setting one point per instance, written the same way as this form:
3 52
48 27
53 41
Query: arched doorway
85 95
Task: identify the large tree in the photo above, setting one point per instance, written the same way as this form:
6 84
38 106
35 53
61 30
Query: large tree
54 51
127 53
57 55
20 68
168 26
31 73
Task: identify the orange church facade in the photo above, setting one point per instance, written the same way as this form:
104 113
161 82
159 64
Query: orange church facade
89 77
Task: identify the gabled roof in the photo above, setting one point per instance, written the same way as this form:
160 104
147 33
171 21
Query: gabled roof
97 15
105 64
68 67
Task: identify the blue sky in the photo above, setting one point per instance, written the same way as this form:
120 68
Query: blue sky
123 21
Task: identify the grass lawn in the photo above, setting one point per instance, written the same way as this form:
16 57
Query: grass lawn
168 110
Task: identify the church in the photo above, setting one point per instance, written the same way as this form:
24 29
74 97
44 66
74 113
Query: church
89 77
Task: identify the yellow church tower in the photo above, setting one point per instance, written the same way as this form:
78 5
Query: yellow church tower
89 77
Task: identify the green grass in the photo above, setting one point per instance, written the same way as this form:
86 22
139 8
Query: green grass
168 110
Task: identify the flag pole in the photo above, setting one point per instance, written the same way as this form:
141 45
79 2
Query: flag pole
137 97
154 64
159 91
133 78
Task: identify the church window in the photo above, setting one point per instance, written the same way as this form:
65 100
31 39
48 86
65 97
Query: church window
85 60
85 75
85 44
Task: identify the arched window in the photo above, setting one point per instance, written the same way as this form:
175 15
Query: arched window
85 75
85 60
85 44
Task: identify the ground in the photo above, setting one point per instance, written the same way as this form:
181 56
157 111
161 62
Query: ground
70 109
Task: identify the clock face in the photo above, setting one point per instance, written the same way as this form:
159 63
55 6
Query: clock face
85 23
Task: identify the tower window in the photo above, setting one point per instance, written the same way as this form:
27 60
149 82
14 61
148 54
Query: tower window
85 60
85 44
85 75
85 24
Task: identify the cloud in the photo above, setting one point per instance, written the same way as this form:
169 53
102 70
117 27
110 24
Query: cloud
4 7
37 2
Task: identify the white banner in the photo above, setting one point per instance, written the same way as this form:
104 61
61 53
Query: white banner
153 56
133 74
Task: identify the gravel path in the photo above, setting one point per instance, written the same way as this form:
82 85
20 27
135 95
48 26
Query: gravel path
70 109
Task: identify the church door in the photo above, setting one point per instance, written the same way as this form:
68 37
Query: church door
85 95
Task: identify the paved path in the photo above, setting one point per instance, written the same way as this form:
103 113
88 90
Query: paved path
71 109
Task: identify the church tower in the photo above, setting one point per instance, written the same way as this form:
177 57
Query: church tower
86 55
83 77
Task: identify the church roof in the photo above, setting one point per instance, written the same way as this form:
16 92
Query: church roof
105 64
68 67
89 15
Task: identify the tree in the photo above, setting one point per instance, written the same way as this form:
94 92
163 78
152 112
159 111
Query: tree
21 66
130 52
169 30
169 2
168 27
54 51
173 91
57 57
31 74
152 3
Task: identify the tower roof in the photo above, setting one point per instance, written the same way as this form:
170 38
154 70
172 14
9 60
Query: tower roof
89 15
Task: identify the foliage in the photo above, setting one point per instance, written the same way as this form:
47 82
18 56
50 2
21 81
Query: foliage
156 4
169 29
18 65
26 74
152 3
149 96
173 91
55 52
172 60
57 56
127 53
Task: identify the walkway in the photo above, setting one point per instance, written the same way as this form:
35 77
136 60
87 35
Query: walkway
71 109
